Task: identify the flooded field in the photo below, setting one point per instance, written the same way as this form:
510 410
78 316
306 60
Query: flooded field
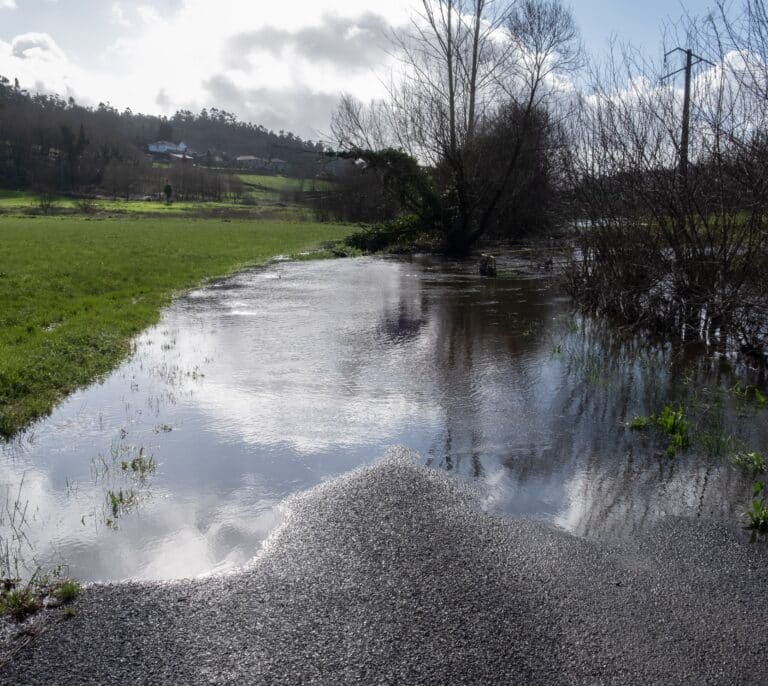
270 382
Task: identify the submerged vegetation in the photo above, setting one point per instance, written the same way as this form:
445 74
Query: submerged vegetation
73 292
675 425
707 433
757 514
672 422
754 465
140 466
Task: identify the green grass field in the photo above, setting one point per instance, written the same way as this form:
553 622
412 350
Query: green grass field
258 202
265 197
13 199
285 183
73 291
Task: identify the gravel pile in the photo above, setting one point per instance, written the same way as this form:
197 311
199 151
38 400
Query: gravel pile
392 575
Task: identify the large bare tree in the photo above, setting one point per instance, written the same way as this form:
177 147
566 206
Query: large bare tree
465 65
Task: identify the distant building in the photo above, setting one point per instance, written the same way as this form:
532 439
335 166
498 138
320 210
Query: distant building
250 162
278 166
168 148
261 164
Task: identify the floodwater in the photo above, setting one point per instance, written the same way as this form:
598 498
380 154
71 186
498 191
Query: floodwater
267 383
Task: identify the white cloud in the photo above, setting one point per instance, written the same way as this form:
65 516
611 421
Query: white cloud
148 14
118 15
350 42
191 58
40 65
7 4
183 58
37 46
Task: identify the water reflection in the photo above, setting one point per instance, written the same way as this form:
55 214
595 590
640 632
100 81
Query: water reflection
272 381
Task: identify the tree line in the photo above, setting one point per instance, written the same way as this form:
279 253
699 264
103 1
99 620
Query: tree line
52 145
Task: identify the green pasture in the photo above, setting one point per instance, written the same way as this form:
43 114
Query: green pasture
256 204
73 291
285 183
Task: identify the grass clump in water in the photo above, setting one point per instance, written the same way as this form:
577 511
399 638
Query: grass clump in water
641 423
140 466
120 502
672 422
675 425
749 394
757 514
715 441
753 463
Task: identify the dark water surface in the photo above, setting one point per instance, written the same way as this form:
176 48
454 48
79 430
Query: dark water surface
268 383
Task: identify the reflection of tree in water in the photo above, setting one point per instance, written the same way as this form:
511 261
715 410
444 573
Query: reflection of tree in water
621 481
480 331
553 407
402 324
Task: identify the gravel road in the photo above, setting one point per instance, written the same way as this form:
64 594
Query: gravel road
392 575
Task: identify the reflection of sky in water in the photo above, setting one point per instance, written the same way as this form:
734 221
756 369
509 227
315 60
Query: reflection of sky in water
278 379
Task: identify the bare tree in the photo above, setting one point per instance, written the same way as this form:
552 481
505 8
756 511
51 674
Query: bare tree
543 48
679 255
355 125
464 63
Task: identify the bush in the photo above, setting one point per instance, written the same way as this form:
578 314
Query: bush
398 234
86 205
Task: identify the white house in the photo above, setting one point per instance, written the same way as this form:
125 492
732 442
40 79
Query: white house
168 147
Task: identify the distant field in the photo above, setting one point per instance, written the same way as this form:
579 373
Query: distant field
73 291
264 196
16 198
258 202
285 183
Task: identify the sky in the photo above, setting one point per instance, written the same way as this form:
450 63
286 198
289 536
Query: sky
280 64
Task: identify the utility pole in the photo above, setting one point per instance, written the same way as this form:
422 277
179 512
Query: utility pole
685 135
686 117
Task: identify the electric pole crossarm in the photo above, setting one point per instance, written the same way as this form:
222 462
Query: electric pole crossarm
673 73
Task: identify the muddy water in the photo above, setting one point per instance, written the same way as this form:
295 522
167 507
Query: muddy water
270 382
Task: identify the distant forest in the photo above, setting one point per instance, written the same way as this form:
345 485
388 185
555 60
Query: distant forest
52 145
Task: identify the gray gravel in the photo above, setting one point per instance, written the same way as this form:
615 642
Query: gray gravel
392 575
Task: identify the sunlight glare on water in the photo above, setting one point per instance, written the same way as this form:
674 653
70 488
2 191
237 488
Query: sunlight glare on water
267 383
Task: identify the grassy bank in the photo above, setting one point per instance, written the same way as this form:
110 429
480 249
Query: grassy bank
74 291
